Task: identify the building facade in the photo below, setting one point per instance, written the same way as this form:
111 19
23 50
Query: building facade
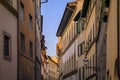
103 41
96 44
52 67
38 40
112 41
66 32
44 63
59 54
26 40
71 36
8 39
88 15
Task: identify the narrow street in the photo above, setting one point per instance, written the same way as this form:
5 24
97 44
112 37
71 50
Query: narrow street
59 39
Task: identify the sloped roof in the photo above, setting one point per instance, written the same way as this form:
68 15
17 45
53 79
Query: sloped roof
66 17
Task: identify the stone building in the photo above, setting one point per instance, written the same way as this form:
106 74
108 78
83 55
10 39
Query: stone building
88 15
71 37
38 40
44 61
59 54
26 40
8 39
52 67
105 26
66 32
96 45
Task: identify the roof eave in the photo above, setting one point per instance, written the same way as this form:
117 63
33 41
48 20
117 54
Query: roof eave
84 8
65 19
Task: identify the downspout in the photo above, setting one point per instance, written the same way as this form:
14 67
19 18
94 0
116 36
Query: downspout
18 41
35 42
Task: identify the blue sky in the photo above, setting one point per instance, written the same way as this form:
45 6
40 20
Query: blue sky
52 13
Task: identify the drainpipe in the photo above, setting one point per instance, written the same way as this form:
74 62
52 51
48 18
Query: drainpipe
35 41
18 64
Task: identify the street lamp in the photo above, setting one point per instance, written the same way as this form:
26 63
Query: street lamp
86 63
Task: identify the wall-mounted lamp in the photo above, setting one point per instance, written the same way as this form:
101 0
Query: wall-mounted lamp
86 63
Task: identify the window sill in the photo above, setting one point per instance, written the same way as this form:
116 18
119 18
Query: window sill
7 58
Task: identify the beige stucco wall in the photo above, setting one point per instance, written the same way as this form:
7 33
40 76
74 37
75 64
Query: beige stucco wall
15 4
52 67
89 27
112 38
8 23
80 58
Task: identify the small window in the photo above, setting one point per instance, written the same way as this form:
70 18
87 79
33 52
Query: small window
77 27
30 21
22 36
83 73
31 49
82 25
6 49
81 49
80 74
107 2
21 11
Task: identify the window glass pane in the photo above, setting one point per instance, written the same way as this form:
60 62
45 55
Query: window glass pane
80 74
30 21
22 42
31 49
21 11
6 45
77 27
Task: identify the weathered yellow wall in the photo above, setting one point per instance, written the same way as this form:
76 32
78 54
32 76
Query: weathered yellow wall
112 38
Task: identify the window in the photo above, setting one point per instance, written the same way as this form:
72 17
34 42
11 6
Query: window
77 27
93 63
22 42
82 25
93 32
81 73
81 48
30 21
31 49
74 61
6 49
90 66
21 11
107 2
